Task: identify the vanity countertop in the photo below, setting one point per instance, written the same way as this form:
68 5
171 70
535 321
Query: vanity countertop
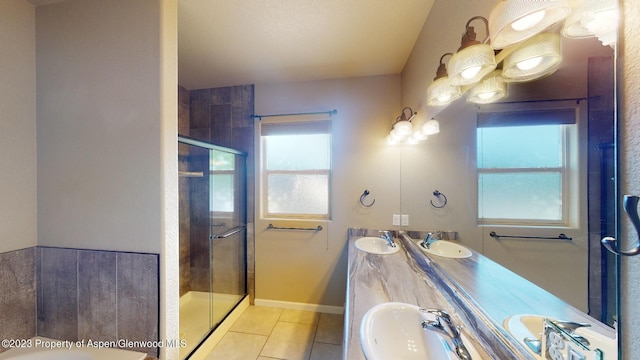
472 290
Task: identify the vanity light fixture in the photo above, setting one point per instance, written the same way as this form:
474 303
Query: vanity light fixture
440 91
513 21
536 57
492 88
474 59
402 128
593 18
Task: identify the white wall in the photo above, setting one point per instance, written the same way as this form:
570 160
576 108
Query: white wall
99 133
107 133
298 267
17 126
629 140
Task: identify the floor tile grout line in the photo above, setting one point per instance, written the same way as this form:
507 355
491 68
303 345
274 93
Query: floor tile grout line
316 327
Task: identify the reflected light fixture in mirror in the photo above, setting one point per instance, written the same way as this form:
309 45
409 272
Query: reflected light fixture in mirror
474 59
431 127
593 18
440 91
402 128
513 21
536 57
492 88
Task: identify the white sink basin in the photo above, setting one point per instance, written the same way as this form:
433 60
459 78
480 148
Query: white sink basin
375 245
524 327
531 326
446 249
393 330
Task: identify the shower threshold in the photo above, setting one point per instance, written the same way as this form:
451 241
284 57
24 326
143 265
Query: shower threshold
195 322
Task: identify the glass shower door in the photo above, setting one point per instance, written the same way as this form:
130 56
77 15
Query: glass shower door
195 274
228 232
212 202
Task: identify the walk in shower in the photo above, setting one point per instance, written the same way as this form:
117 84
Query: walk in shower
213 271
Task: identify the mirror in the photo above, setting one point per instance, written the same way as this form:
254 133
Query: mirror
579 270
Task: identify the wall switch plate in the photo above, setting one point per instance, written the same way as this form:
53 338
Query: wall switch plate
405 220
396 219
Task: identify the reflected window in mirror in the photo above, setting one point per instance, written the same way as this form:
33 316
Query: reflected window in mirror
525 165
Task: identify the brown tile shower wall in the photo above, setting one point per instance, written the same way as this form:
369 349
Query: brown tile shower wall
223 116
98 295
17 295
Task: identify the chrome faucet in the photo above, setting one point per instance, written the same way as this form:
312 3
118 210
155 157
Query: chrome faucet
428 240
444 325
387 236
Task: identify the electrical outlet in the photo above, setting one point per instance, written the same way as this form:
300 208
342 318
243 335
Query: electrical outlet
405 220
396 219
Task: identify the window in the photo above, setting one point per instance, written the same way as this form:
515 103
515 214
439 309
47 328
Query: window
524 167
222 167
296 169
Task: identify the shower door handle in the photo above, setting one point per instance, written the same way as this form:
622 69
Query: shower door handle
630 204
228 233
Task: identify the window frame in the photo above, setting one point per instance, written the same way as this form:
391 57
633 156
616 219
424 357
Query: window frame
296 123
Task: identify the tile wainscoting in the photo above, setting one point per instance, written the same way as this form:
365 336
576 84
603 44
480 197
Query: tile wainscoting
17 294
74 294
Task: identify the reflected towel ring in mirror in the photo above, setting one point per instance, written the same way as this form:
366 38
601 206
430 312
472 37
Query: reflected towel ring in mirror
630 204
441 197
364 195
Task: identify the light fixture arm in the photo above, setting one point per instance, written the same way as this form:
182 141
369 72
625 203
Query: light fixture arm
442 68
404 114
469 37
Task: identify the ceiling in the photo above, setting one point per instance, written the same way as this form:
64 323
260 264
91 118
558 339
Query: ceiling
234 42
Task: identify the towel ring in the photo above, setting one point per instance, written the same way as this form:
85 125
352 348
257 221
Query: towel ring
364 195
439 195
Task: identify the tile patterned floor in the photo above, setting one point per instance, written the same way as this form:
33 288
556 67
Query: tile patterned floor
265 333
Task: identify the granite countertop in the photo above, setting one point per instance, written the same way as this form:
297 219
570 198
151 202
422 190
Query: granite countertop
375 279
472 290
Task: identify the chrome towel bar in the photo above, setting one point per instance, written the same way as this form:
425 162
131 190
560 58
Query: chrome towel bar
271 227
559 237
229 233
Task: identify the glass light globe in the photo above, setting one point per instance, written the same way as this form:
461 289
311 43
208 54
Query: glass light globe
513 21
529 63
411 141
533 59
441 92
572 27
392 140
444 98
603 23
418 135
470 73
491 89
431 127
528 21
471 64
403 127
487 95
397 135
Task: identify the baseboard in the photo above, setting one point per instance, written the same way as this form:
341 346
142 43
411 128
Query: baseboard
329 309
